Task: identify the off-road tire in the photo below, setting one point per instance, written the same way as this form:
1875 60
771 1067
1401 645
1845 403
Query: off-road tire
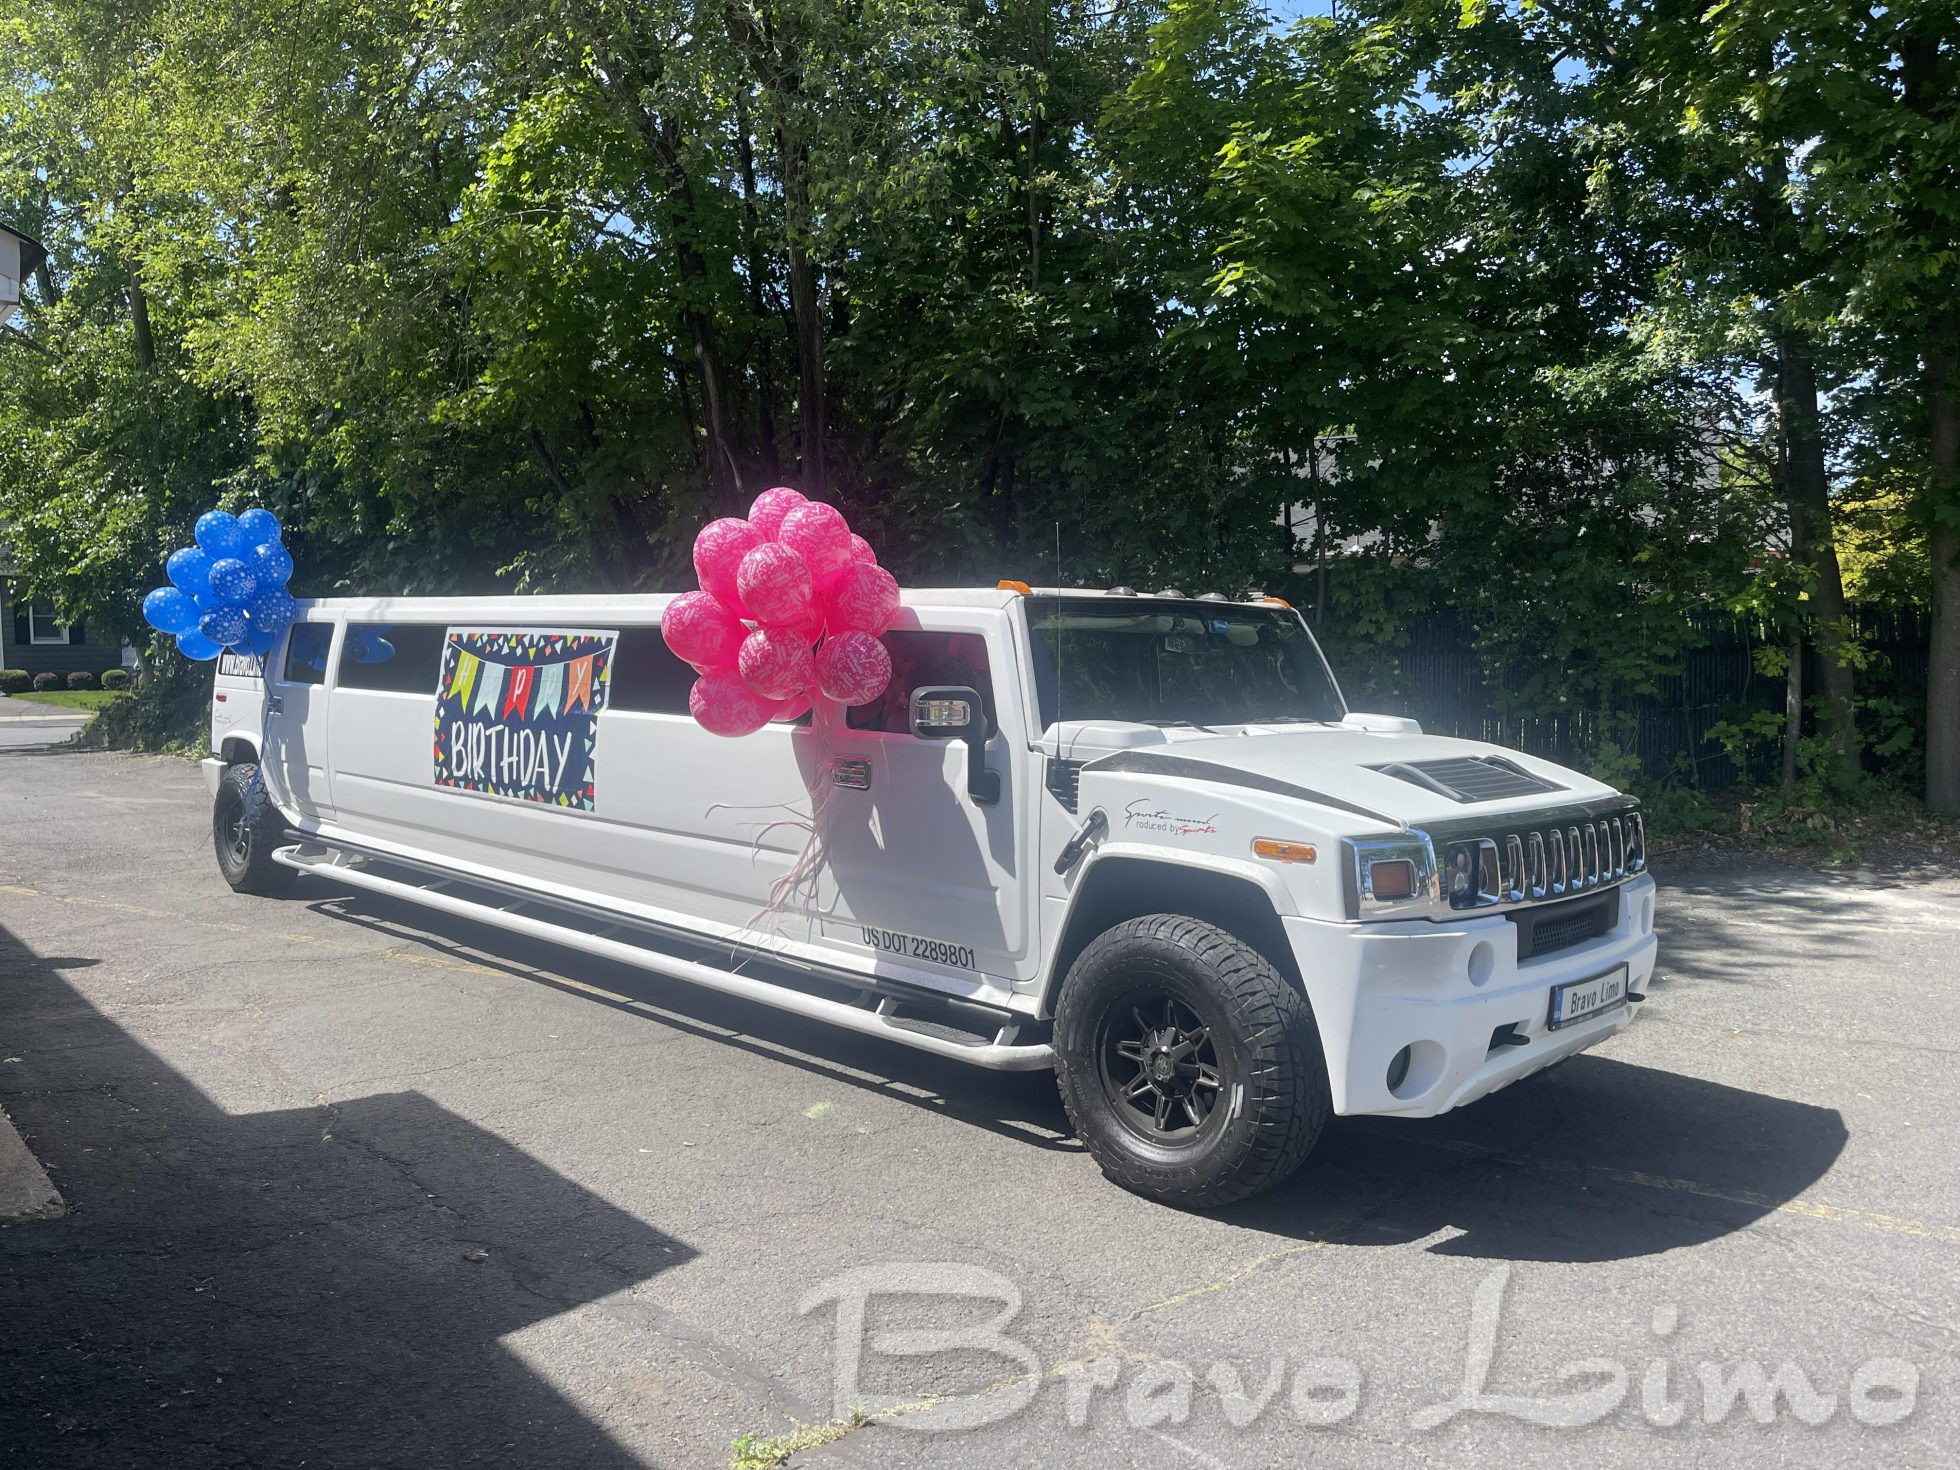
245 829
1273 1101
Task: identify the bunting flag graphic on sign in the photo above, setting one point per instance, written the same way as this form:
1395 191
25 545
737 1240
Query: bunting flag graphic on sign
578 683
489 685
517 713
551 689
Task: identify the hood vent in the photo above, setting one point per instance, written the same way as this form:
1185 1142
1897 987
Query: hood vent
1470 778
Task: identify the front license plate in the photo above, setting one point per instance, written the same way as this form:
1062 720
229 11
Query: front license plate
1579 999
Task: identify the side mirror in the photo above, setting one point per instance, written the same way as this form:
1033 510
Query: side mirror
955 712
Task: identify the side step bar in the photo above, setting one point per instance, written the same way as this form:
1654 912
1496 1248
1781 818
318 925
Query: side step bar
1000 1055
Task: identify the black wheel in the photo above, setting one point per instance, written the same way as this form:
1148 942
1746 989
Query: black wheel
1190 1068
245 828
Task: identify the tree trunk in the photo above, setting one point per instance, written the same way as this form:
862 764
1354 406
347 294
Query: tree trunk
809 315
765 342
661 136
1943 662
1792 712
139 321
1807 494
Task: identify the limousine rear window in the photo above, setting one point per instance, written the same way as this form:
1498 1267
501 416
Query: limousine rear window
403 658
646 675
306 653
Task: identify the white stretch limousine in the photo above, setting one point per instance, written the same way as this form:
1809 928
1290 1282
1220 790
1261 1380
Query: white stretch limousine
1138 839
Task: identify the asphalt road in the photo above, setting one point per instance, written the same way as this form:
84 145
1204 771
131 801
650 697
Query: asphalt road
354 1186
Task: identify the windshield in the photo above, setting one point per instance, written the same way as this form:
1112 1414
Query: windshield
1176 663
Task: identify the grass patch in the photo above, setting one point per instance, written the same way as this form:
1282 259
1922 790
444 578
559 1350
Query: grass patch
73 698
749 1452
169 715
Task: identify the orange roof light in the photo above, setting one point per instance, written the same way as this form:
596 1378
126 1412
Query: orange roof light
1008 586
1283 852
1280 600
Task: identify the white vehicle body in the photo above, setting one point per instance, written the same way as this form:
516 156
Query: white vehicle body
925 894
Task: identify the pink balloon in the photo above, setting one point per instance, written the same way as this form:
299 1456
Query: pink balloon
791 709
718 552
766 515
702 632
861 550
819 533
775 584
776 665
724 705
853 668
862 598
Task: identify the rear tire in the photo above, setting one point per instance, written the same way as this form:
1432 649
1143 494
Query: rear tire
1191 1069
245 829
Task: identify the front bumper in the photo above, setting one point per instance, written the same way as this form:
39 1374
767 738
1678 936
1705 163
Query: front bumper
1443 990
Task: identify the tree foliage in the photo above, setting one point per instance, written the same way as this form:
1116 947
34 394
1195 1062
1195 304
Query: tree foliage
1571 315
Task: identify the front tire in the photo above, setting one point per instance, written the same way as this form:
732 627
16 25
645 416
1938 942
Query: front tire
1191 1069
245 829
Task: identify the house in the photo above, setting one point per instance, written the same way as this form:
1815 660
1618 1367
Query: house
32 639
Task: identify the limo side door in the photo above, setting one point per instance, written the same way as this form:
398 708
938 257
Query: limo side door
920 876
294 754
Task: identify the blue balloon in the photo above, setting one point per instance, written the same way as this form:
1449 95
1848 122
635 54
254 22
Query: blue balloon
170 611
219 534
271 564
197 648
261 527
371 650
273 609
232 582
225 626
189 571
260 641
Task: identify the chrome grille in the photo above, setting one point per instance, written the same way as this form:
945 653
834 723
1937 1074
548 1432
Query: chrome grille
1532 864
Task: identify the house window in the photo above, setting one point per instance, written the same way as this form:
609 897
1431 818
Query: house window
42 627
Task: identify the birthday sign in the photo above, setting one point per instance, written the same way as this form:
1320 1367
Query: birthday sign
517 713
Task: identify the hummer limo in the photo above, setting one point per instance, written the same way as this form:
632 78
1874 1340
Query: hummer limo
1138 839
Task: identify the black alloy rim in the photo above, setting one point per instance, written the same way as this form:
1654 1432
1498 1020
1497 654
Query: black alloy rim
1160 1067
234 832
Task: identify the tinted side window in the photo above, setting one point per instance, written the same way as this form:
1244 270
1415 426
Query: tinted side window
919 659
646 676
405 658
306 653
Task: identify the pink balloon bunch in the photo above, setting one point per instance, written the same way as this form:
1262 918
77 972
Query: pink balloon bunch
790 608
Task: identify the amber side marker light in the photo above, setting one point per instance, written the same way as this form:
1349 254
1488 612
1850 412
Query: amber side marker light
1021 587
1394 878
1283 852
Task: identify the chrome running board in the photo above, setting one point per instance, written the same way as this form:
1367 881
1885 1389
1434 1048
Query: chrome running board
1002 1054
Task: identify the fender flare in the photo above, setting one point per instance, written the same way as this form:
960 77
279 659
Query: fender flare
1127 880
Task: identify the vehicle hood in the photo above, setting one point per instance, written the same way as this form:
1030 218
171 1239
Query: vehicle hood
1339 768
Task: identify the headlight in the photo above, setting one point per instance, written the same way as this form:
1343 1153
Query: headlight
1392 877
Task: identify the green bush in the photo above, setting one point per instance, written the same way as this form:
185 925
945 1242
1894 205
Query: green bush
15 681
44 682
171 713
81 679
115 679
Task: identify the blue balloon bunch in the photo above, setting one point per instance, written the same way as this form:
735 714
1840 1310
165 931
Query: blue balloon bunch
229 590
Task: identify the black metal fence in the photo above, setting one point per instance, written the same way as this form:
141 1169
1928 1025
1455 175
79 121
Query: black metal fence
1442 682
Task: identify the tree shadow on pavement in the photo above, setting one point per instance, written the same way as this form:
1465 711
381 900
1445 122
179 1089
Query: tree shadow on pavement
291 1287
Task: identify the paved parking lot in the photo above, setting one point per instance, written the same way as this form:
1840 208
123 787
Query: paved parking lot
351 1185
